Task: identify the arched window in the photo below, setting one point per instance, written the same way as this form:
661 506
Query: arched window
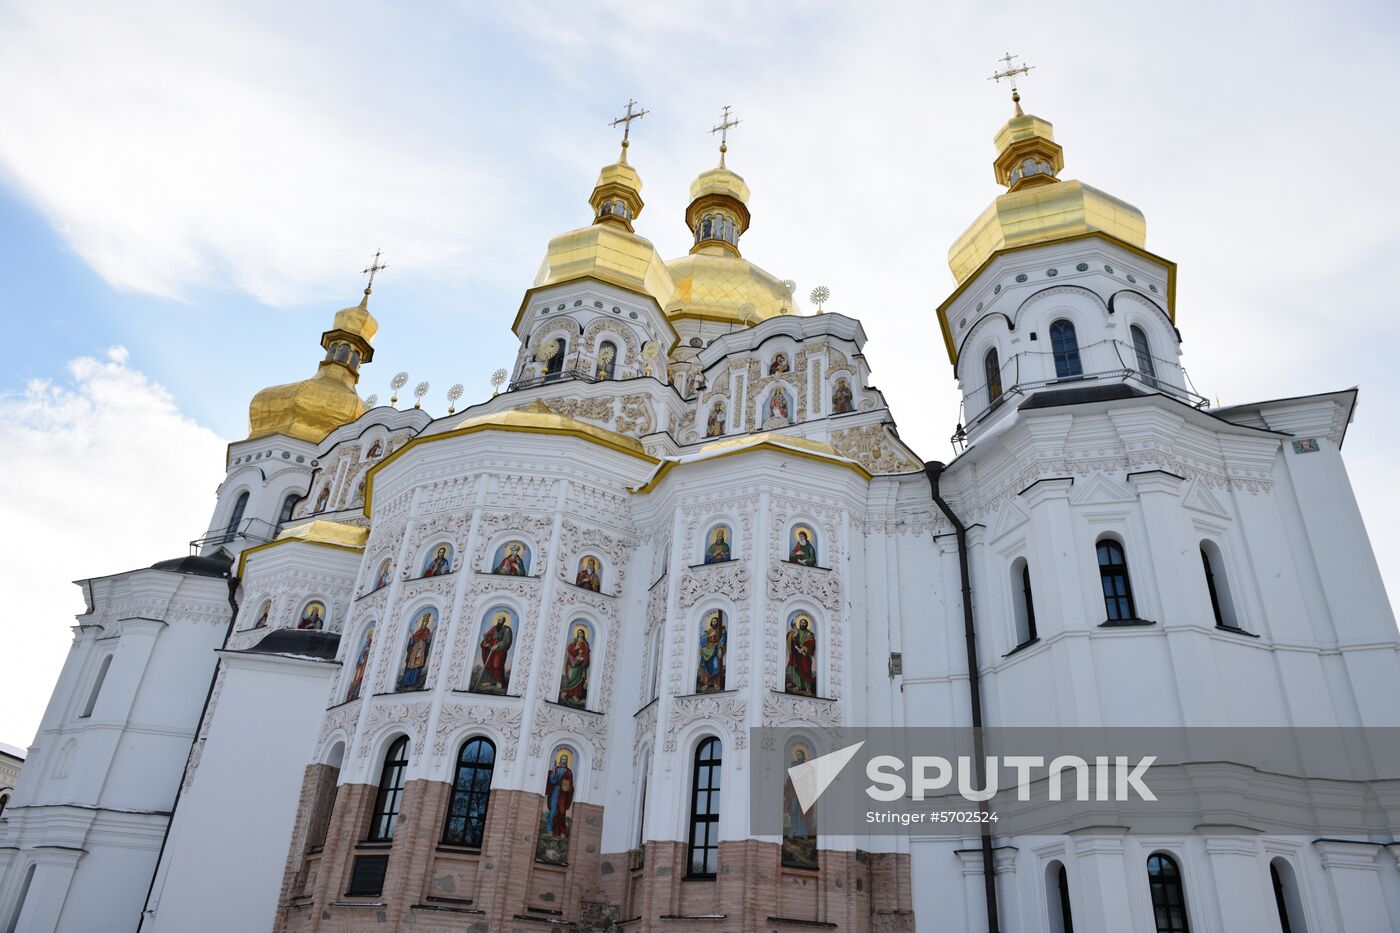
704 809
289 505
471 793
390 795
1113 574
96 687
1143 350
1286 899
1064 343
4 799
236 516
1218 585
13 925
991 367
327 785
1057 898
607 359
1023 603
555 364
1168 894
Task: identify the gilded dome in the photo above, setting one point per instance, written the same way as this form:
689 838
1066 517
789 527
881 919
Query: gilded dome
716 286
611 254
721 181
1039 207
307 410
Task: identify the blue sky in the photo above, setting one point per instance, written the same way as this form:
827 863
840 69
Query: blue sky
200 184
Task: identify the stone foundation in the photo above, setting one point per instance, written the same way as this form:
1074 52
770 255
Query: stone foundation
429 887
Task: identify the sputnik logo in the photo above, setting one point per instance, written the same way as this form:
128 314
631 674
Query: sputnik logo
811 778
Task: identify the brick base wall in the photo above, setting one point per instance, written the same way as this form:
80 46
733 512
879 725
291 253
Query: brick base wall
429 887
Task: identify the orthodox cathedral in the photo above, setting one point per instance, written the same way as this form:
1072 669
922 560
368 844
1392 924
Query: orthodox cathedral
498 670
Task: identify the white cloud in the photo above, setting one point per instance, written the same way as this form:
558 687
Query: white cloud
102 474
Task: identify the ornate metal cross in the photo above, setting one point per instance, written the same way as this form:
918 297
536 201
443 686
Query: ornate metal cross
371 269
1009 72
627 118
723 130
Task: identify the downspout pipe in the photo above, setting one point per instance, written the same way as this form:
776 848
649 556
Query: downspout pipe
934 471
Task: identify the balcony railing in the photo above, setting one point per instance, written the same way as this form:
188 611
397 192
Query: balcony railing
246 532
1105 361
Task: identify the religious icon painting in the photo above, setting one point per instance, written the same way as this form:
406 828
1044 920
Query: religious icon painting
779 364
842 400
573 683
802 545
717 544
491 669
714 424
589 574
361 664
324 498
381 577
438 561
556 821
313 616
376 448
512 559
360 490
799 828
418 651
714 653
779 406
800 673
263 613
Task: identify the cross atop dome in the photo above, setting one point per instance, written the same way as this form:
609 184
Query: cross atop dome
626 121
723 130
1009 72
374 267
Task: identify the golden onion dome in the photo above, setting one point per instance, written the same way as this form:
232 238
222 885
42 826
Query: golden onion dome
714 285
1038 207
312 408
720 180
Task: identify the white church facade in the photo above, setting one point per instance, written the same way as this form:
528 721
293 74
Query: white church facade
497 670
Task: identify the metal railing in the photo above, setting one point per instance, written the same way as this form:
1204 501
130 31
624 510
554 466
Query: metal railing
1105 361
250 530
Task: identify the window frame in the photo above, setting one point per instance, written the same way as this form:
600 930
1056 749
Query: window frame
235 517
388 799
1156 882
1142 349
1068 354
97 683
473 830
991 372
709 755
1121 601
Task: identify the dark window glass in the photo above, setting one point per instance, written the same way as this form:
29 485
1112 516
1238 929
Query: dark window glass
390 796
1029 602
1113 574
288 505
96 688
1279 899
1210 585
1062 882
367 876
1143 350
704 809
1168 894
236 517
991 366
1065 345
471 794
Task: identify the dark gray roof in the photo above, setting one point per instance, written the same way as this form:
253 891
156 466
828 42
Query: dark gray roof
219 565
303 643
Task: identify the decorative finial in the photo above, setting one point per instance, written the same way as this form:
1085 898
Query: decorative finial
723 130
498 379
419 391
626 121
453 394
746 311
371 269
1010 74
397 383
371 401
820 296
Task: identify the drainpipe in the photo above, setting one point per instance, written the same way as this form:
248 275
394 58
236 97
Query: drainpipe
934 469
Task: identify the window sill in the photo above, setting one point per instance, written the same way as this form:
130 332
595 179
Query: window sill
1023 646
575 709
801 696
1233 630
1125 623
712 693
416 579
512 576
586 589
702 879
798 563
482 693
648 703
713 563
451 849
373 844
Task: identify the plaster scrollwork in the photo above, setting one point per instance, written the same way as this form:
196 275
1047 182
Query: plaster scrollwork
704 510
644 728
455 717
874 448
575 538
781 710
730 578
786 581
606 327
513 491
551 719
412 717
635 415
729 711
588 409
559 325
342 718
